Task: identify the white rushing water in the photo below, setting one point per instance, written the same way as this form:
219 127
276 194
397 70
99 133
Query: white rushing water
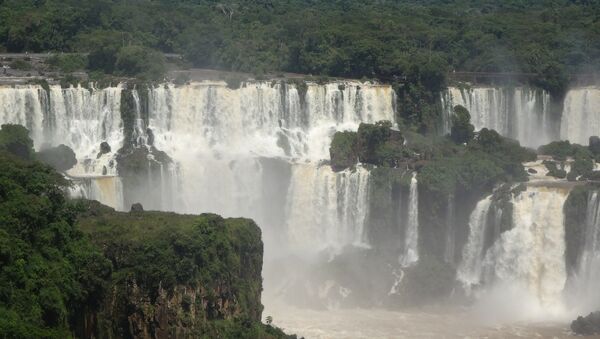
526 265
581 115
77 117
524 114
220 137
326 209
520 113
584 290
450 244
470 270
411 238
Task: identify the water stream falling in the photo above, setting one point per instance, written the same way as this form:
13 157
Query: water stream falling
520 113
79 118
581 115
470 270
526 264
255 151
411 237
584 290
449 246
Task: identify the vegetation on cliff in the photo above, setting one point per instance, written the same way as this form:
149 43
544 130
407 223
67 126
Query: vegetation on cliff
77 268
49 271
579 158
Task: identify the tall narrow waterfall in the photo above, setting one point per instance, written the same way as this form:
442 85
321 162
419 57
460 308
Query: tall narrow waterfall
470 270
520 113
411 237
581 115
449 246
530 256
584 289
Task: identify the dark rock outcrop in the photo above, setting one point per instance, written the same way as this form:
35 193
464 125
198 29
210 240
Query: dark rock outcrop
61 157
589 325
137 207
104 148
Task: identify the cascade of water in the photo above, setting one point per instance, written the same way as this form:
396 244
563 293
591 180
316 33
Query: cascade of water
518 113
411 238
470 269
139 126
530 256
77 117
581 115
218 136
326 209
450 231
219 139
585 287
108 190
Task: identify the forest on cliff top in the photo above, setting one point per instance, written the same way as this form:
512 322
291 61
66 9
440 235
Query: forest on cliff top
418 41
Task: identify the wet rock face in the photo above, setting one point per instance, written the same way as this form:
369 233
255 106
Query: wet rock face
104 148
178 313
137 207
173 275
61 158
589 325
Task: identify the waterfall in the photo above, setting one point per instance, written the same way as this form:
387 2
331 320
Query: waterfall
255 151
139 128
530 256
585 281
264 118
581 115
411 238
219 137
108 190
520 113
326 209
470 269
449 248
77 117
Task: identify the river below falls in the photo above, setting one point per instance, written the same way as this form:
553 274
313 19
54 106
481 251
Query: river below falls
440 322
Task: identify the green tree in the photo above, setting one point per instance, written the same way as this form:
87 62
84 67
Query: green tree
462 130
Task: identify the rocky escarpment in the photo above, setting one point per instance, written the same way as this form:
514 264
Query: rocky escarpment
175 276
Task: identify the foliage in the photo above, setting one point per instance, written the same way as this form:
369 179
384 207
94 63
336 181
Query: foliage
68 63
15 139
332 38
49 272
22 65
594 146
554 171
61 158
140 61
488 159
378 144
559 150
462 130
343 150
